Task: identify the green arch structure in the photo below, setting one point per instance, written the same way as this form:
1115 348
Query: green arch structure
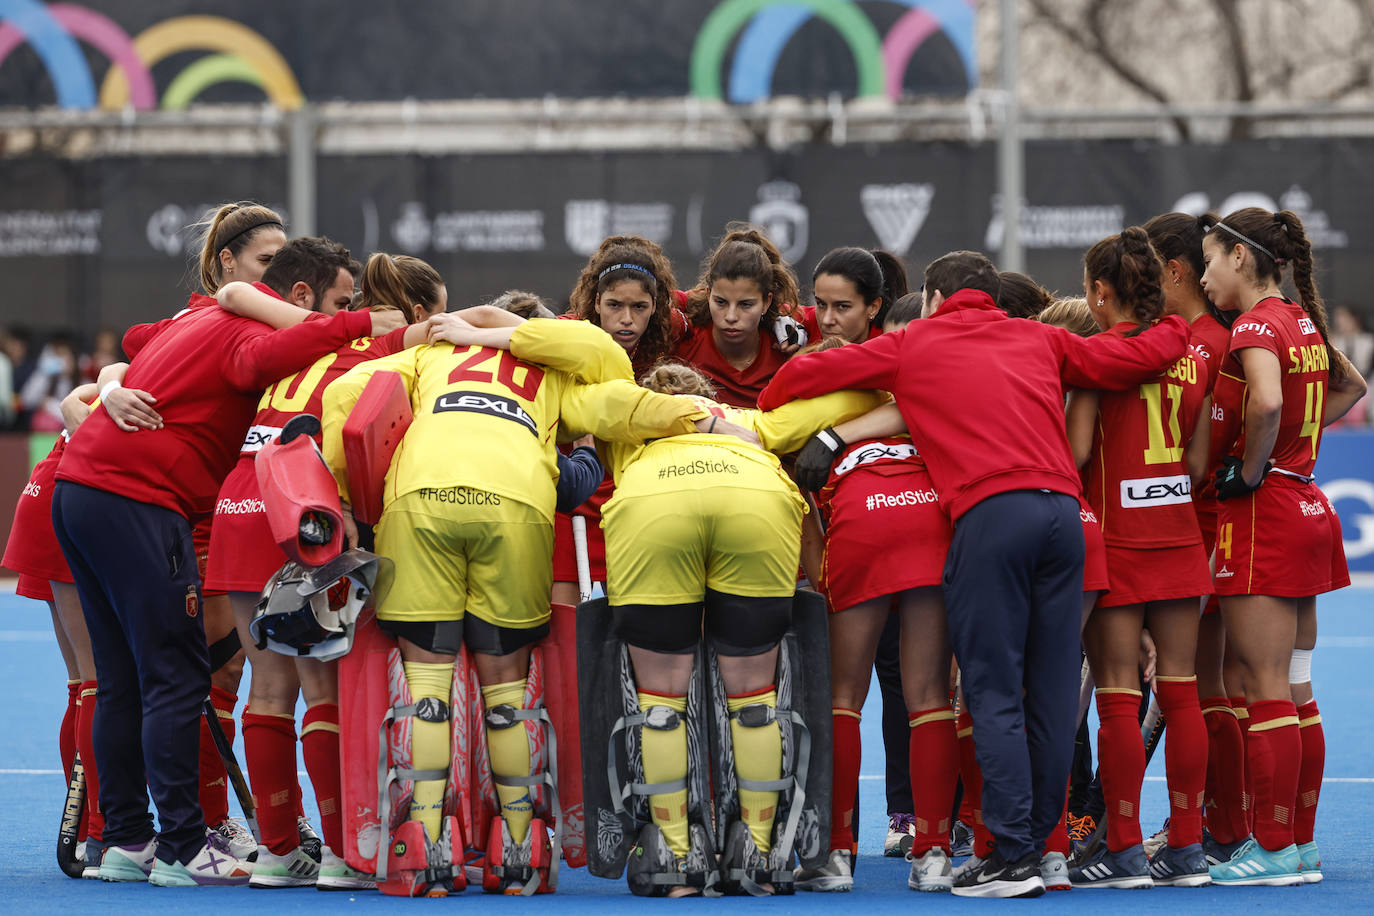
727 19
204 73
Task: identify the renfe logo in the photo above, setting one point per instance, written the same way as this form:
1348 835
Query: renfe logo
1156 491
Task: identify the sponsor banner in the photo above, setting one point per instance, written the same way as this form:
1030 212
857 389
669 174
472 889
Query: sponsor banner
1345 472
1156 491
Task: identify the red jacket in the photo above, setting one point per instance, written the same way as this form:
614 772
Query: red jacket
207 369
982 393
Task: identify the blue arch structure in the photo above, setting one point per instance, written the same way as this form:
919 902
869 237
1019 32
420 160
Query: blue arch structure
756 55
59 51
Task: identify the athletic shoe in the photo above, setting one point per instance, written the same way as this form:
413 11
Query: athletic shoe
337 875
1183 867
1154 843
960 840
310 840
1219 853
931 872
835 875
295 869
1054 871
901 833
1124 870
995 877
1311 863
970 864
94 851
1254 865
128 863
210 867
1080 829
235 832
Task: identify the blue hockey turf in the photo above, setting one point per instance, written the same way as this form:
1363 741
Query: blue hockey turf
32 683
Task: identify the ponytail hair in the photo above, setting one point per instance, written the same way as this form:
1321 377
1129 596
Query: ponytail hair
630 257
231 226
1130 266
399 281
1178 237
745 253
1020 296
875 274
1072 315
1276 240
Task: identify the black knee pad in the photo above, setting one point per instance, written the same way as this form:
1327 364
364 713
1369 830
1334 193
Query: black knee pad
741 626
674 628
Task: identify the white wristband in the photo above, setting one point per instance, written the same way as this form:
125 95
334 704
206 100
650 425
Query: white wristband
108 387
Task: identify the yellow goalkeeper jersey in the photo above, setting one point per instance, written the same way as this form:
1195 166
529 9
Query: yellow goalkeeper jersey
489 419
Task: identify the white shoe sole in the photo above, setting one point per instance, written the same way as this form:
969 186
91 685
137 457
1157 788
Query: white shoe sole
932 885
274 882
345 884
1184 881
829 884
1132 883
1311 876
1262 881
1031 887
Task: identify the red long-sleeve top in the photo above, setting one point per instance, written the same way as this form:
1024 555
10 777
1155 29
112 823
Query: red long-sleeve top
983 394
207 369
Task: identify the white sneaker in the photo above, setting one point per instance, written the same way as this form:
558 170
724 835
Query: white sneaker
1154 843
210 867
835 875
931 872
295 869
901 833
1054 870
338 875
236 834
128 863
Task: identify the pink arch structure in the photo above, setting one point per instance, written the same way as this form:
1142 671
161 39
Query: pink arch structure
102 33
907 34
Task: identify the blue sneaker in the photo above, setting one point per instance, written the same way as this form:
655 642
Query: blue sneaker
1311 868
960 840
1254 865
1124 870
1219 853
1185 867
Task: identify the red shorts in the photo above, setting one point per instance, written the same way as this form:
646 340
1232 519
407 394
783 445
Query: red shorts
1141 574
33 587
1284 540
33 549
243 555
887 533
1095 577
1207 521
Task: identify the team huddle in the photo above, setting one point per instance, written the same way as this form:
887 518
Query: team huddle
609 590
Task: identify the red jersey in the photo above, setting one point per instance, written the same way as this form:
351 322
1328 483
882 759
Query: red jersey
806 315
1208 339
1137 479
207 369
734 387
982 393
1283 328
303 391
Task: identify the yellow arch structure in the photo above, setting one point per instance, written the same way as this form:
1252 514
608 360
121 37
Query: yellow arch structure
207 33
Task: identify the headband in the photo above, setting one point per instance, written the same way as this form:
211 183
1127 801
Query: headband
257 225
644 270
1278 262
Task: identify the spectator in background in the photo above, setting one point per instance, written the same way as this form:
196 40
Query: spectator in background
1348 335
52 378
6 383
104 351
16 343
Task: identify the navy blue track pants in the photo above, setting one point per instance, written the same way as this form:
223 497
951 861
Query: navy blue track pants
1014 595
135 570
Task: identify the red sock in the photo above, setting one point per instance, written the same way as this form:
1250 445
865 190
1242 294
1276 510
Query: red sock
1225 771
1275 756
934 762
844 777
1121 763
269 745
973 785
1185 757
1310 774
85 746
1247 797
1058 840
66 735
320 744
214 781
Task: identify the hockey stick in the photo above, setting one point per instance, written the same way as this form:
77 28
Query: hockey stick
1151 730
231 767
584 569
67 834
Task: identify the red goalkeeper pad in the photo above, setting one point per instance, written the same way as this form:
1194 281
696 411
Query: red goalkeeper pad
370 435
299 494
